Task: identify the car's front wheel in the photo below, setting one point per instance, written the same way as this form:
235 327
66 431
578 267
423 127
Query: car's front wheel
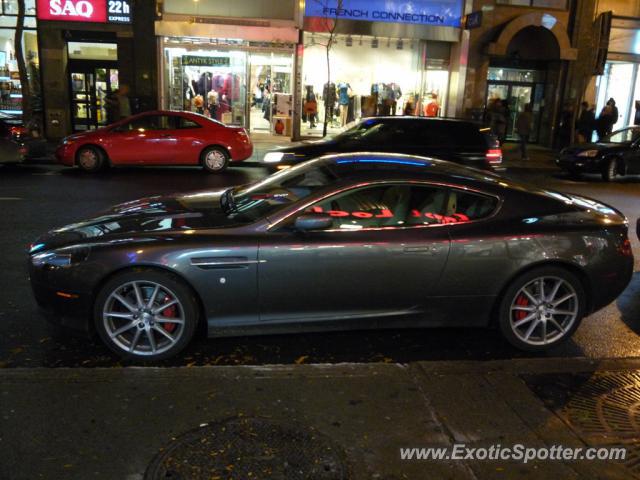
610 169
90 159
215 159
541 308
146 315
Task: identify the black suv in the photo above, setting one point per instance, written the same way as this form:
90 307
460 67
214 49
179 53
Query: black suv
455 140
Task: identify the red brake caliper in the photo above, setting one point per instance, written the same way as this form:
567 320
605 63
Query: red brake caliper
522 301
169 312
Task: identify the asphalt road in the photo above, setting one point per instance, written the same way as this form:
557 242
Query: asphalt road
34 199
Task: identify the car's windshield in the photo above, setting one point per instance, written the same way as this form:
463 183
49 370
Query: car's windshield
359 130
249 203
626 135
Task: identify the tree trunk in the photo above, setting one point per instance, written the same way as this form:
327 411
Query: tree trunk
326 110
22 67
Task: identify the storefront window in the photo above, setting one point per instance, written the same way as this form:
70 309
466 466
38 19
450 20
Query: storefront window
369 76
234 81
10 85
270 81
618 83
209 82
11 100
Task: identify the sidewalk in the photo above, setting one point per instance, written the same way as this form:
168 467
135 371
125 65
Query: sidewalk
349 421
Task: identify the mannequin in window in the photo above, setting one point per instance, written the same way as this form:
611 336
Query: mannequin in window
329 97
432 107
397 93
212 103
343 100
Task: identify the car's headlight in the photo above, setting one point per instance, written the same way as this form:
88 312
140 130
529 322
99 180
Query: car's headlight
67 141
589 153
273 157
60 258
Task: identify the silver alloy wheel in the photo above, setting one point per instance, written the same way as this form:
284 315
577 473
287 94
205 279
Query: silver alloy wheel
544 310
215 160
88 159
143 318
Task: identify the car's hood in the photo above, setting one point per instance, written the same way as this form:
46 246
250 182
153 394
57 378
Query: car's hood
172 213
306 146
600 146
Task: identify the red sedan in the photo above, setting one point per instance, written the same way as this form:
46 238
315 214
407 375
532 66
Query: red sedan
158 138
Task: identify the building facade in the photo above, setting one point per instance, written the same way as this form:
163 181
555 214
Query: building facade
88 51
258 63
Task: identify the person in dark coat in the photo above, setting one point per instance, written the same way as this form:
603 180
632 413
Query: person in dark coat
586 123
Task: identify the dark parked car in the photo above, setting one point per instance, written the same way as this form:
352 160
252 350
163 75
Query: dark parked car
348 241
619 154
26 142
458 141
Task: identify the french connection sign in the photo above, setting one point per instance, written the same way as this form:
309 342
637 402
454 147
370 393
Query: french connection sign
444 13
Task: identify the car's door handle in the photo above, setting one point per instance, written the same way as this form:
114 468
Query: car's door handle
166 135
422 249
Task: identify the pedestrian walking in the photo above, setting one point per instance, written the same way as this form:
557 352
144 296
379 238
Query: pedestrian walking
524 123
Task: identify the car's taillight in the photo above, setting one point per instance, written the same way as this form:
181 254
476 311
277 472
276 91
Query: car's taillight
18 131
625 248
494 156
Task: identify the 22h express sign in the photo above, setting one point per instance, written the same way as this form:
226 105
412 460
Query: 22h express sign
97 11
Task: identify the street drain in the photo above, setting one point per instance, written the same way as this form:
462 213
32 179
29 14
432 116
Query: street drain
250 448
603 408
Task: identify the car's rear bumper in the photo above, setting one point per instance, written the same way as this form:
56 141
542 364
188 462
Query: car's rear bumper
241 152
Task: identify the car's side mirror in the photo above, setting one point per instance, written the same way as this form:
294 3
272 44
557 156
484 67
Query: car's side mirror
313 221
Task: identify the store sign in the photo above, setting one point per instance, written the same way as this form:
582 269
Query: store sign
444 13
197 61
94 11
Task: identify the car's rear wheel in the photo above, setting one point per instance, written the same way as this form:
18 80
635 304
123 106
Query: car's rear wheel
610 169
90 159
146 315
215 159
541 308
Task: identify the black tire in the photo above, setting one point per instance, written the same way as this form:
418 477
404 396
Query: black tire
143 319
610 169
90 159
514 298
214 159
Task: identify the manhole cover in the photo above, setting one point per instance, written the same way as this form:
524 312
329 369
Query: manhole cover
603 407
250 448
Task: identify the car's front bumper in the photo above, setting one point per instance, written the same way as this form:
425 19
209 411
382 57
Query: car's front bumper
60 304
571 163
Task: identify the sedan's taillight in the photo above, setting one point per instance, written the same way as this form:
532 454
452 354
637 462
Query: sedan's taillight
625 248
494 156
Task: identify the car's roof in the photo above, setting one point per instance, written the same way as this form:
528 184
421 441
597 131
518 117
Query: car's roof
406 118
387 165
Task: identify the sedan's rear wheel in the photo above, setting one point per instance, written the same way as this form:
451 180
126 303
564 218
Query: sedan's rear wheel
145 315
541 308
215 159
90 159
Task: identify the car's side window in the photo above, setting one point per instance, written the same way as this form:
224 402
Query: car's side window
149 122
402 205
463 206
392 205
184 123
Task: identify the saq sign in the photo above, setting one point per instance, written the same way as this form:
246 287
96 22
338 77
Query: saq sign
97 11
